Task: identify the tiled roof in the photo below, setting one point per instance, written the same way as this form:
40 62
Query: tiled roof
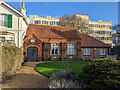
47 31
88 41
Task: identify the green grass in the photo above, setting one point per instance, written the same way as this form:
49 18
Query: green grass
50 67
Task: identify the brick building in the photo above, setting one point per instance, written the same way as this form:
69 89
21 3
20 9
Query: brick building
92 48
44 42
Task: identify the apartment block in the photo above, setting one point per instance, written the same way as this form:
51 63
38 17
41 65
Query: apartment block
101 31
98 29
45 21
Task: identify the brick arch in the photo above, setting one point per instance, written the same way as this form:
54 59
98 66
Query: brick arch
73 42
38 47
58 42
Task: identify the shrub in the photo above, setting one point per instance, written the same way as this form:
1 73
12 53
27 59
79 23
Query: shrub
116 50
102 73
60 80
12 58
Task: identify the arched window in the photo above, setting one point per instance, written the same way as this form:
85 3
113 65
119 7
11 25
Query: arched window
54 49
70 49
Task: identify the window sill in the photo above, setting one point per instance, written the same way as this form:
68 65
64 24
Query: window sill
70 55
54 54
4 26
86 55
102 55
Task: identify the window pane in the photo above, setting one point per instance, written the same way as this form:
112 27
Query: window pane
102 51
54 47
70 49
86 51
52 51
3 20
56 51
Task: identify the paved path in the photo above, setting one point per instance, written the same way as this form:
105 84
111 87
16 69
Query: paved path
27 77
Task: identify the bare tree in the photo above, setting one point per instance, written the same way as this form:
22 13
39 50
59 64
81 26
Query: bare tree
116 34
81 23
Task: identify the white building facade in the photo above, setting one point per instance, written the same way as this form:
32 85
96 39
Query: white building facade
13 24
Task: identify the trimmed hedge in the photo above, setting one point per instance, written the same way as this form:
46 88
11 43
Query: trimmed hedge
102 73
12 58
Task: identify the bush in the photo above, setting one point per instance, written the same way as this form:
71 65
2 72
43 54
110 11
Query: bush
116 50
60 80
102 73
12 58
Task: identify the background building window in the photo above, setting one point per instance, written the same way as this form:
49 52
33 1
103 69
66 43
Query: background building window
102 51
39 21
54 49
70 49
51 23
42 22
86 51
58 23
103 26
102 38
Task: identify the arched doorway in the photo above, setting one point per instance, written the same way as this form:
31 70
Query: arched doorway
32 53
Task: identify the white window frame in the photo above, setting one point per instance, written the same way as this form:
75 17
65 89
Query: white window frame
102 51
4 20
54 47
32 40
86 51
71 50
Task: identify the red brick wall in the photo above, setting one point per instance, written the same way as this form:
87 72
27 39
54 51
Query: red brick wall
45 49
94 53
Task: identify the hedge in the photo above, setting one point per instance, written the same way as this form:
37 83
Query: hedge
102 73
12 58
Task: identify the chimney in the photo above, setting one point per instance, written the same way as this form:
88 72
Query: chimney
28 19
34 16
48 17
110 21
23 10
24 5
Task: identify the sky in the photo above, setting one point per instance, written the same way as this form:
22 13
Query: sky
105 11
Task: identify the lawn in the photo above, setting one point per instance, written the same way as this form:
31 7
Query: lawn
50 67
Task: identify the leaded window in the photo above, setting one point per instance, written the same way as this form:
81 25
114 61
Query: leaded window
102 51
86 51
54 49
70 49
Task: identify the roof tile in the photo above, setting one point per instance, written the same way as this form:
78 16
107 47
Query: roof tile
88 41
47 31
